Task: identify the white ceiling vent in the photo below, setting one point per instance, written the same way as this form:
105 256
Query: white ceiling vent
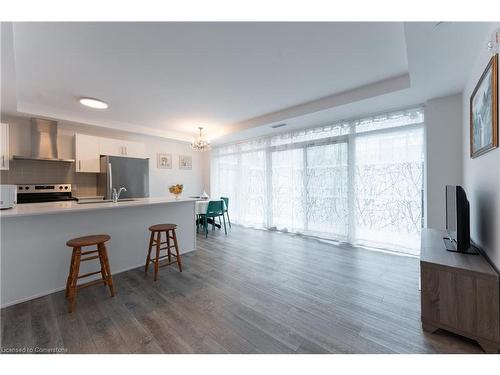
277 126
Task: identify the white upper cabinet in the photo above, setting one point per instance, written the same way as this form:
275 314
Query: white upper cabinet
135 149
114 147
87 153
118 147
4 146
89 148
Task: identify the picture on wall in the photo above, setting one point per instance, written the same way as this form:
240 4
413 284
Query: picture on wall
484 111
164 161
185 162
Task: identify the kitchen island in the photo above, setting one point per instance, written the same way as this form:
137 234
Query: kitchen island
34 256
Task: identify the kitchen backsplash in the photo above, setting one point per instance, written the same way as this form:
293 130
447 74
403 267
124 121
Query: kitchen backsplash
43 172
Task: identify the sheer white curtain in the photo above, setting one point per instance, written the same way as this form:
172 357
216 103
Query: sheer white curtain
327 190
388 183
287 190
358 181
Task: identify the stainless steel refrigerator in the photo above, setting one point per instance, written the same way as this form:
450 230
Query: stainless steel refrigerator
118 171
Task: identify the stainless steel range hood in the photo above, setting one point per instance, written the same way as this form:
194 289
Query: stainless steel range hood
43 142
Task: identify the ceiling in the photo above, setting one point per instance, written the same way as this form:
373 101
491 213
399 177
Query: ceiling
235 79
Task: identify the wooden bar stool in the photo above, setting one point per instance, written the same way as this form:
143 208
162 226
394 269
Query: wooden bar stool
77 244
157 230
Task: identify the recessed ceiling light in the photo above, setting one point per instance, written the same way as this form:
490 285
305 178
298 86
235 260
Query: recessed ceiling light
93 103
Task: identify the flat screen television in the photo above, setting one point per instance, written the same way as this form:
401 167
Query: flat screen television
458 221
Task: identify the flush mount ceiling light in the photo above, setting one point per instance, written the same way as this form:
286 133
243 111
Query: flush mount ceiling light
93 103
200 144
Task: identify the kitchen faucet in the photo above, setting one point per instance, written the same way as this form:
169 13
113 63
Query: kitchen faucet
116 195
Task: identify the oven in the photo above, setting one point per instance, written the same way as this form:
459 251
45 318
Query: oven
44 193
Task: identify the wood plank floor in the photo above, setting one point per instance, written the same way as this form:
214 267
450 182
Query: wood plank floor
250 292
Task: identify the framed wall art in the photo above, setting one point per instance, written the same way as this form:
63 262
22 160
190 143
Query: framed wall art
164 161
484 111
185 162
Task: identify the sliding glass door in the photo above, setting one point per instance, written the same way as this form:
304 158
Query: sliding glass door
388 187
326 190
287 190
252 188
359 181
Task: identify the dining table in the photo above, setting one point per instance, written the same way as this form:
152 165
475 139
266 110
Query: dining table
201 208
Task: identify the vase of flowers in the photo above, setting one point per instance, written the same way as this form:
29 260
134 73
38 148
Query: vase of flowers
176 190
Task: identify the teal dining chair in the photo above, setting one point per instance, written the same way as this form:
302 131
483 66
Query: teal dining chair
214 209
226 207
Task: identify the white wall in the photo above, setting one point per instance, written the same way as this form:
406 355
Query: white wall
159 179
482 174
206 172
443 119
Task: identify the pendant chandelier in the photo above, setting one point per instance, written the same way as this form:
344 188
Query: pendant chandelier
200 144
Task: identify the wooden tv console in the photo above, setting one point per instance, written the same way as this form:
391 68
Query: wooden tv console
459 292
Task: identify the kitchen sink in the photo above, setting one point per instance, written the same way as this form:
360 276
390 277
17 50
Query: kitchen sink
105 201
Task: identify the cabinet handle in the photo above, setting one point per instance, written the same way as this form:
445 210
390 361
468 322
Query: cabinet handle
79 165
3 160
126 151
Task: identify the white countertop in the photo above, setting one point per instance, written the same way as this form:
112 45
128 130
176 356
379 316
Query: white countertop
32 209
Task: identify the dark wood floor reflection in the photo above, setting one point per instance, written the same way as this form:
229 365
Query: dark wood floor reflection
250 292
